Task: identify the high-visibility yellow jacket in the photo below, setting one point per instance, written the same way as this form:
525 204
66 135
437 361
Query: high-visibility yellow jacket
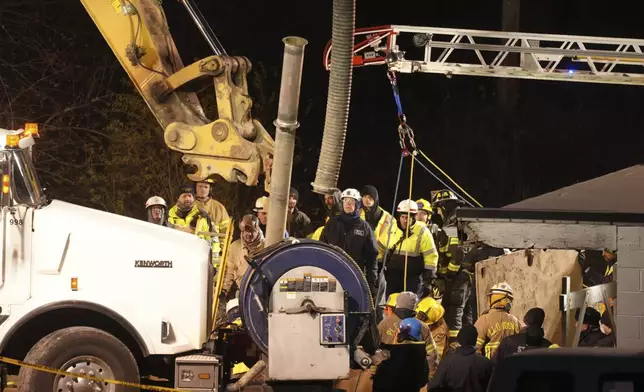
418 247
202 225
381 231
448 266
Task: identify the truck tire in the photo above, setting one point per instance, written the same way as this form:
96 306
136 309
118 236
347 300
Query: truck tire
78 349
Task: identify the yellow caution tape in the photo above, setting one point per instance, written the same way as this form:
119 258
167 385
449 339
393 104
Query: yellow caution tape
48 369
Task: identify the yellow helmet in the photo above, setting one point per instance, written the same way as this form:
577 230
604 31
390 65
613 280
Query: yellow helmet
391 301
424 205
432 310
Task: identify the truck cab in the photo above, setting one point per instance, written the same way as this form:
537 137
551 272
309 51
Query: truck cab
87 291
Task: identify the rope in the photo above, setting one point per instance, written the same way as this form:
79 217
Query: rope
391 225
411 183
450 178
443 182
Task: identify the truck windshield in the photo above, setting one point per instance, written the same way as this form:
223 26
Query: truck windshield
26 186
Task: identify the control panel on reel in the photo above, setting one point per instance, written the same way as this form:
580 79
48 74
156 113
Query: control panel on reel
307 327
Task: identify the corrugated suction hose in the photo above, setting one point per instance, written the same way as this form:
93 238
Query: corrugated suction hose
337 108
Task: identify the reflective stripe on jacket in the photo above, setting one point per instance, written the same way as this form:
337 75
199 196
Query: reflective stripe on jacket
419 245
492 327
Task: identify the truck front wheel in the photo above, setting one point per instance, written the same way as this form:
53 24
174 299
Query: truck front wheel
84 351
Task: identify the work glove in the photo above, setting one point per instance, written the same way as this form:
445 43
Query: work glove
428 277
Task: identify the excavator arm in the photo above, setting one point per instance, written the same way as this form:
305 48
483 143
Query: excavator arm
235 146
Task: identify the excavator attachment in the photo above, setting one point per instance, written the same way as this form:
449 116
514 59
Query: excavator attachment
235 146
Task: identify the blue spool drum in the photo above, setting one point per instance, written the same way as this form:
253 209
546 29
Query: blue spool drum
275 261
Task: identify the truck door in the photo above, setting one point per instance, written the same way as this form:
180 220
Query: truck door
16 223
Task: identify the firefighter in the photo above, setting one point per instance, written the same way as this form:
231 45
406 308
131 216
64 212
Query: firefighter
215 209
186 216
597 266
387 328
354 236
412 260
530 337
390 305
464 369
376 216
261 213
333 207
407 369
591 334
298 223
156 209
219 219
496 323
454 280
250 240
424 215
431 313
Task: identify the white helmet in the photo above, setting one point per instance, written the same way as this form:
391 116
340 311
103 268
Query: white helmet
352 193
502 288
155 201
407 206
233 303
260 203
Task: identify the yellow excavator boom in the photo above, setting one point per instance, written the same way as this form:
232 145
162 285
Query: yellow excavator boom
235 146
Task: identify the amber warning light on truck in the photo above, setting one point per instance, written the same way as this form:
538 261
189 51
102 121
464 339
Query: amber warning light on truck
13 141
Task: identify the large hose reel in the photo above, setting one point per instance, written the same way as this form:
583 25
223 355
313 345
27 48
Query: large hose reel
276 261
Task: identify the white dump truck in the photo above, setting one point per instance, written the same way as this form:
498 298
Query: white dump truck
88 291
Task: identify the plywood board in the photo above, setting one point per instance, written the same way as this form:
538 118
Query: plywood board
535 277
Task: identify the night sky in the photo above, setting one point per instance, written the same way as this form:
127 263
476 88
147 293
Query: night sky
559 134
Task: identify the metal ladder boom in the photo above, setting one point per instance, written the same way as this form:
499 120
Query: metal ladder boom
489 53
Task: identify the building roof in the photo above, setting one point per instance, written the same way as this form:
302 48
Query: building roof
620 191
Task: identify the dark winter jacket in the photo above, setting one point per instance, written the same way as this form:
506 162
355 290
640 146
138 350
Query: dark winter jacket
593 337
527 339
405 371
298 224
355 237
462 371
595 269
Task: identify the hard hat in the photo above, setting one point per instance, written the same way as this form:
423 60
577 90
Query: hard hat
391 301
260 203
442 196
413 327
502 288
233 303
352 193
424 205
432 309
155 201
407 206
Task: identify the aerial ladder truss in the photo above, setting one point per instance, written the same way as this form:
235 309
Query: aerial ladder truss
489 53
